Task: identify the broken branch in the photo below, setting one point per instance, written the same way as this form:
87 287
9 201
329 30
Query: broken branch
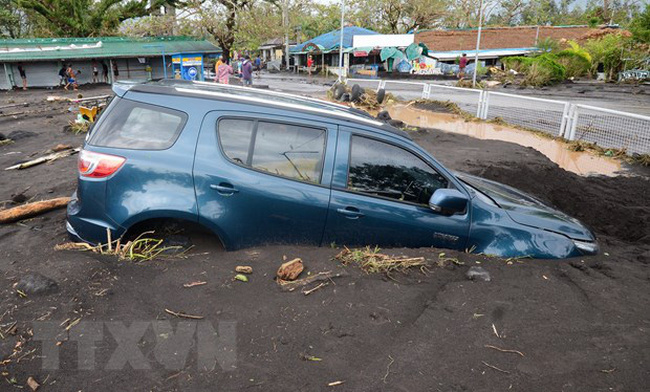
503 350
321 276
31 209
184 315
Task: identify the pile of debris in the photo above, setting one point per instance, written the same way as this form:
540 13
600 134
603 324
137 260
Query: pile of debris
359 97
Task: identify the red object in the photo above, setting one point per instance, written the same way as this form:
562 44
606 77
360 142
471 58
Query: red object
310 62
96 165
463 62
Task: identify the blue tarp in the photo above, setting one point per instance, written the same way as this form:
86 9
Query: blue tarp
332 39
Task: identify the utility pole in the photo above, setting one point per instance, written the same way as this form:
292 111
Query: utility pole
478 43
341 42
285 22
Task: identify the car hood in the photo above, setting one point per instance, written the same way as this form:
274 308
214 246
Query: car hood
527 210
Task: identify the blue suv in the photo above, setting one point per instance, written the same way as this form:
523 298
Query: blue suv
260 167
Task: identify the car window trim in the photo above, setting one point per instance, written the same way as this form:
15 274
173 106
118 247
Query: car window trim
347 179
184 120
256 121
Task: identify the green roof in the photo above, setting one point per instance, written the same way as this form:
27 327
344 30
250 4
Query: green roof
41 49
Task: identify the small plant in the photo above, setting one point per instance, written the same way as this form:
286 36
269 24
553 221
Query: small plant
140 249
371 261
79 127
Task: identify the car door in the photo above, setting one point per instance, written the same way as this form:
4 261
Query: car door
380 192
261 178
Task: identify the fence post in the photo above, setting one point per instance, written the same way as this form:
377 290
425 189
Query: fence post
479 107
426 91
486 105
574 123
565 118
382 84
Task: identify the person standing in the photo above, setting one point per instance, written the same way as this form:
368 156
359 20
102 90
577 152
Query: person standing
23 76
258 65
63 79
224 72
95 72
116 71
462 63
216 69
310 63
104 72
71 78
247 71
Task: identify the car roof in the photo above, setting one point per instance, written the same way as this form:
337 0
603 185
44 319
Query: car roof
257 96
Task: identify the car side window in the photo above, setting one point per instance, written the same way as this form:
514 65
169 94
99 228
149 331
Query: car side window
286 150
139 126
385 170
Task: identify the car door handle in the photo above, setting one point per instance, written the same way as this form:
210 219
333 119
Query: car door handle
224 188
350 212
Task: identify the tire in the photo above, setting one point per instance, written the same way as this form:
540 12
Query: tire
356 93
381 95
345 97
339 90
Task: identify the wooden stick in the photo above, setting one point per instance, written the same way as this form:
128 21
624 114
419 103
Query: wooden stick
184 315
32 209
503 350
321 276
315 288
43 159
495 368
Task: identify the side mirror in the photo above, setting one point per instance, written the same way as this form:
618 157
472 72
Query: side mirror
448 201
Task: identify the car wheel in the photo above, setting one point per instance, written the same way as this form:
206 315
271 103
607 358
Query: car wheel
345 97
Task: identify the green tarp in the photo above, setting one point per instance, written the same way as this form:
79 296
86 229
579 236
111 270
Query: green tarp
391 53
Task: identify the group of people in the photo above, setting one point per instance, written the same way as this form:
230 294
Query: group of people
244 69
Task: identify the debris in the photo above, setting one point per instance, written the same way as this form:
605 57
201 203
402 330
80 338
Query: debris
4 142
388 368
244 269
47 158
72 324
184 315
241 278
504 350
286 285
140 249
315 288
478 273
335 383
608 371
290 270
306 357
194 284
494 328
32 209
495 368
35 283
32 383
61 147
371 261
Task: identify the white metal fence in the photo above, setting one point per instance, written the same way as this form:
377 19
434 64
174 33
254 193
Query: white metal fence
605 127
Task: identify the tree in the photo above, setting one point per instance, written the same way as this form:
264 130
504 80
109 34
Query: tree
13 21
640 27
86 18
398 16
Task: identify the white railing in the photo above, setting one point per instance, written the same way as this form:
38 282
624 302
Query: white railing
605 127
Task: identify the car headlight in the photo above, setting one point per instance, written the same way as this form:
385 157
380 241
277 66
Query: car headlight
586 248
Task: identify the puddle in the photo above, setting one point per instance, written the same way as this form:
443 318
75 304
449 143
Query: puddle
582 163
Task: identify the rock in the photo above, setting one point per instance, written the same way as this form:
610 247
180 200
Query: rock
384 116
33 384
478 273
290 270
35 283
244 269
17 135
2 136
396 123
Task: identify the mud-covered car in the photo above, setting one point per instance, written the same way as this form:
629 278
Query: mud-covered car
260 167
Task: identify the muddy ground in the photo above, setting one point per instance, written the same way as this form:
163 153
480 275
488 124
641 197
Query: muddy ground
577 325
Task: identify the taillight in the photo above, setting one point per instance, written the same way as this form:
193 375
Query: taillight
97 165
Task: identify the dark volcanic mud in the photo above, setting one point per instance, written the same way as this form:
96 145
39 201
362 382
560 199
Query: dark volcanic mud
576 325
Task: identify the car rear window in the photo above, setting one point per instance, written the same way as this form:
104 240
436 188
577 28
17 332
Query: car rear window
287 150
139 126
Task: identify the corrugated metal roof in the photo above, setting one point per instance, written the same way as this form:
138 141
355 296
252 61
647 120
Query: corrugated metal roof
40 49
331 40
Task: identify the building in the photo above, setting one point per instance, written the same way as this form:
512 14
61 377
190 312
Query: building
498 42
324 49
132 58
273 49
